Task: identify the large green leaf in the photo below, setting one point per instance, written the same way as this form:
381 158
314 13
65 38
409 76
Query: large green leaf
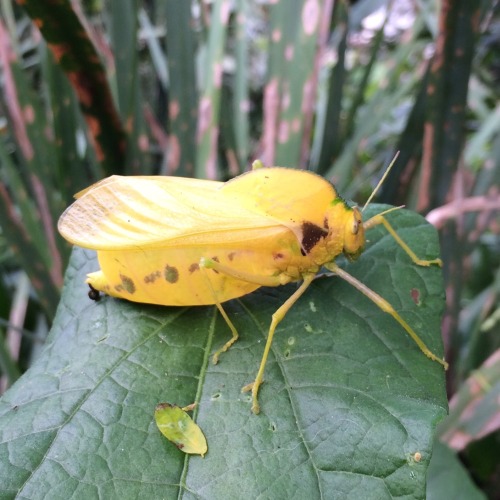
348 399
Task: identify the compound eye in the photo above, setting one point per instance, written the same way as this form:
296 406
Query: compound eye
355 226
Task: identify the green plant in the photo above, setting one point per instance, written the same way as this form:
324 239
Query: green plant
194 100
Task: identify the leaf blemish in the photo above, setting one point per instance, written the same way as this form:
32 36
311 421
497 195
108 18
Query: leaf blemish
415 295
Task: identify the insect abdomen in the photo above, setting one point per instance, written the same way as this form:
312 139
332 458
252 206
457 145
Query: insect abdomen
167 277
172 276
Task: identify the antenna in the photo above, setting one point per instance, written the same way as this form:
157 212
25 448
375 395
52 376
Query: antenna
381 181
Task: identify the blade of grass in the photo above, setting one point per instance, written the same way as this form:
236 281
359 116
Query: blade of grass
241 102
124 26
209 106
297 75
328 136
182 105
447 94
74 51
67 122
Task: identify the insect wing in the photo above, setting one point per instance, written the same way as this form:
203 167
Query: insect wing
288 195
179 428
152 212
114 180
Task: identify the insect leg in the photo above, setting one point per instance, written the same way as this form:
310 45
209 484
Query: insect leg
386 307
281 279
231 341
380 219
260 280
234 338
276 318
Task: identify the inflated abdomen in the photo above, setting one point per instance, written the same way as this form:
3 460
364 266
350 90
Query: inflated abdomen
172 276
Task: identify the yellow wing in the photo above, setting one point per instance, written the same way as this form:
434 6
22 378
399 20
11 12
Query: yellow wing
297 199
288 195
151 212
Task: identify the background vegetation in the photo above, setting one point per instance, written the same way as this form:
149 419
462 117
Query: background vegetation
202 88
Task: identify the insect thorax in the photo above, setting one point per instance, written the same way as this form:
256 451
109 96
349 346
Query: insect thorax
345 231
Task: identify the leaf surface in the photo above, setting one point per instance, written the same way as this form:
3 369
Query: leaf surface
348 398
448 478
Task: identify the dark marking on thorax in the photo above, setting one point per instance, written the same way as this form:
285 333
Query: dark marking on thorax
311 234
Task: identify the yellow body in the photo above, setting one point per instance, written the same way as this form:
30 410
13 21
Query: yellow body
181 242
151 233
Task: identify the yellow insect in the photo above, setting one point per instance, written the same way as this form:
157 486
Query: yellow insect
182 242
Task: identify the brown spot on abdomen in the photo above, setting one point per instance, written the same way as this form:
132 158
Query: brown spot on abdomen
152 277
171 274
127 284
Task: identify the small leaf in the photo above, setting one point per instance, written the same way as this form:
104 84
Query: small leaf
177 426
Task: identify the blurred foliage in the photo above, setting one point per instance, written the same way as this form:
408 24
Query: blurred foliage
202 88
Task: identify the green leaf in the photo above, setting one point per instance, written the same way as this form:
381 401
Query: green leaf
178 427
73 49
348 398
474 407
448 478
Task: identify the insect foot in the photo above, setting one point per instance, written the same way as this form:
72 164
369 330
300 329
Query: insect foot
427 263
254 389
